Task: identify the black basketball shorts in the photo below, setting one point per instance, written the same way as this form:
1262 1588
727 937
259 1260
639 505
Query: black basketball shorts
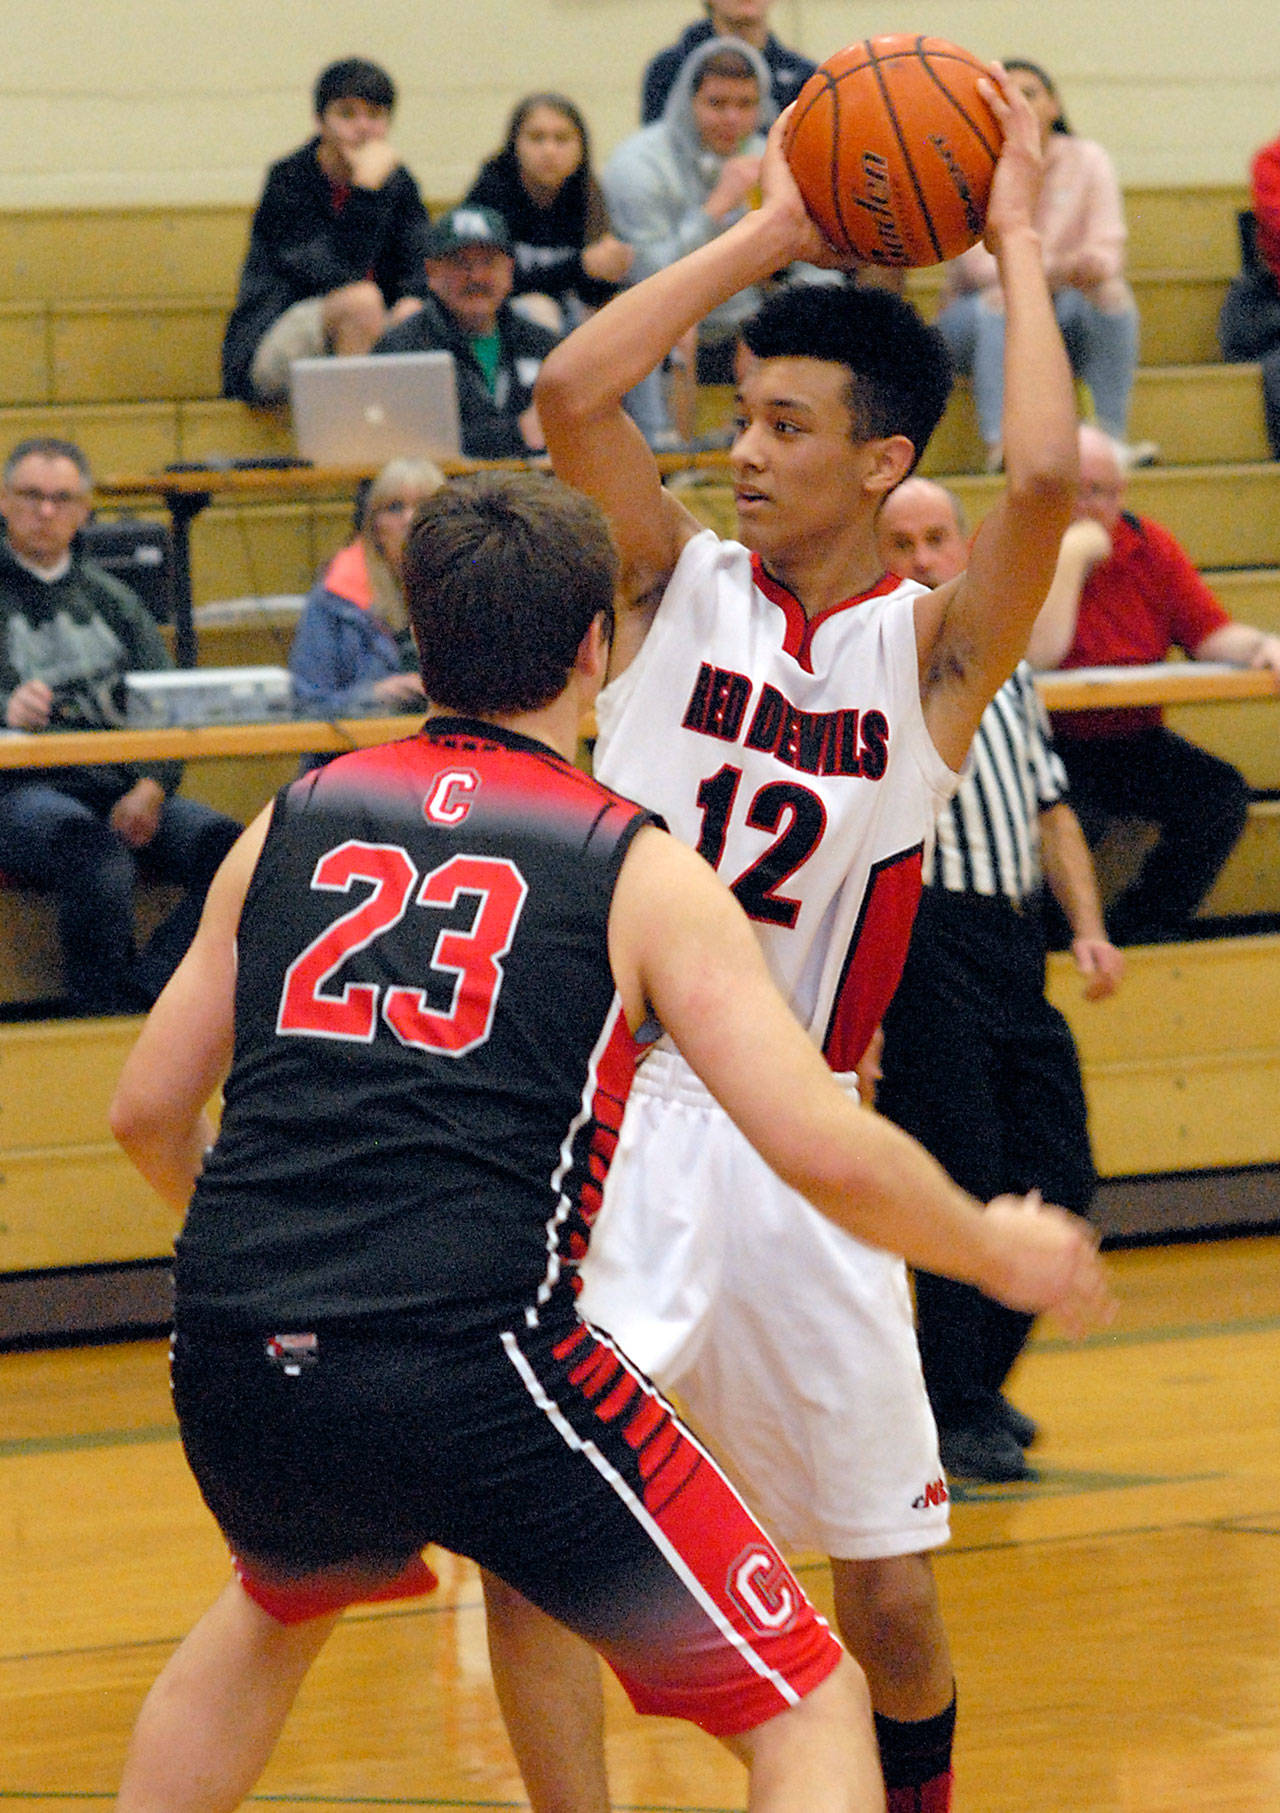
332 1457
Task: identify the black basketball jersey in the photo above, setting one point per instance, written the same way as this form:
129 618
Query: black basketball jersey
430 1056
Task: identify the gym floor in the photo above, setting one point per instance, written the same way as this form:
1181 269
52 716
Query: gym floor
1116 1625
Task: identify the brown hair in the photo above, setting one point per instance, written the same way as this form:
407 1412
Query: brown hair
504 574
1046 81
733 65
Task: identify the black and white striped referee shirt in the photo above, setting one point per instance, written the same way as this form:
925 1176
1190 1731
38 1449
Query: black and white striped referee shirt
988 835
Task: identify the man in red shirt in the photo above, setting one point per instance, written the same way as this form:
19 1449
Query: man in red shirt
1134 604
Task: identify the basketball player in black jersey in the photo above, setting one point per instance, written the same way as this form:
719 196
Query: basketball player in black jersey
429 969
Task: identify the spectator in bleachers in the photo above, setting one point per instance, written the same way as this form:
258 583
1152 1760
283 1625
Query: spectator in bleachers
567 255
470 268
353 650
1080 220
68 634
747 20
335 253
976 1063
675 185
1249 322
1129 606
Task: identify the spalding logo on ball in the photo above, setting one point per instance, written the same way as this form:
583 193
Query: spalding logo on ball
893 149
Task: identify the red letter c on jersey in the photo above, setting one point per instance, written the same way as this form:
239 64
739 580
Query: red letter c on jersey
761 1588
450 799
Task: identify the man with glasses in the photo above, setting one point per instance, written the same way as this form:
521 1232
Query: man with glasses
69 633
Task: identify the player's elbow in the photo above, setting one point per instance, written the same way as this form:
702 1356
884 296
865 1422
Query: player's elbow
561 394
1046 485
136 1117
123 1120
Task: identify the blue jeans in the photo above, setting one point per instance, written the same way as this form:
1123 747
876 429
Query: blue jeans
48 839
1102 348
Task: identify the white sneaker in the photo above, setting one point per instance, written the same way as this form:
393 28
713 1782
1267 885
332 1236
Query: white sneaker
1138 453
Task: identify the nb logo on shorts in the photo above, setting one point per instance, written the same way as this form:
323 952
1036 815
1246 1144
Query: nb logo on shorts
935 1493
762 1589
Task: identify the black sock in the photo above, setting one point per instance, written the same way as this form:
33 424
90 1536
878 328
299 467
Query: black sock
915 1755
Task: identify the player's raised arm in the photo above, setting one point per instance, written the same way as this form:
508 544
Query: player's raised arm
973 631
681 945
593 444
159 1112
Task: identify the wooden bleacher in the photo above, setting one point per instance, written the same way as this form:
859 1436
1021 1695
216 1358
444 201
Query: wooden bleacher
1182 1075
110 325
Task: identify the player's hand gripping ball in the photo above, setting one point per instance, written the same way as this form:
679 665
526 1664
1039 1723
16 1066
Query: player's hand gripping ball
893 150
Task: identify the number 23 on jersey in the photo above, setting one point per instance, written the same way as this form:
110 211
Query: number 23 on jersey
316 1003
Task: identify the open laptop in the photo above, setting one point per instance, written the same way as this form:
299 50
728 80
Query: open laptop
361 411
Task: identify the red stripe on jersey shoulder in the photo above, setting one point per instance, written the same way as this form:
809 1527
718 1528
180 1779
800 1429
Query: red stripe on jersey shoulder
799 632
533 773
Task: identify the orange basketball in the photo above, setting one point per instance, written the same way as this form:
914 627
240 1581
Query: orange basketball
893 149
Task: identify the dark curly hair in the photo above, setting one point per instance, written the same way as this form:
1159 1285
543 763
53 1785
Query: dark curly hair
899 369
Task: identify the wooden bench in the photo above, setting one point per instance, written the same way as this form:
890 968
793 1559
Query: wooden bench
147 436
1182 1064
1250 881
1182 1073
30 956
103 305
68 1195
1196 414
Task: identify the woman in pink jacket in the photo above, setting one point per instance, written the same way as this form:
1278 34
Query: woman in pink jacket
1080 219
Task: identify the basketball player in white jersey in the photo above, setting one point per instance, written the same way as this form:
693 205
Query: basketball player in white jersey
798 718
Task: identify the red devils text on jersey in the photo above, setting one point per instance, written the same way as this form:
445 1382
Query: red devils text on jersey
430 1059
794 755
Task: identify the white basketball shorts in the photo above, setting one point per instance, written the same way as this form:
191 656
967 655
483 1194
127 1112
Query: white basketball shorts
790 1345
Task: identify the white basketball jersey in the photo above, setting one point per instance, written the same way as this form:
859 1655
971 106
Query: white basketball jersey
794 755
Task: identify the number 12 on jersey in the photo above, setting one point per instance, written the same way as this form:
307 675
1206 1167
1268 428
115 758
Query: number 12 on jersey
794 813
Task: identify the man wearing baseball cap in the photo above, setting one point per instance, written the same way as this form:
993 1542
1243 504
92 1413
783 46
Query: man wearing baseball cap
497 352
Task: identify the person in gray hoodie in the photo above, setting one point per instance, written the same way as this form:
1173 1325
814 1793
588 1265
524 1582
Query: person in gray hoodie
676 184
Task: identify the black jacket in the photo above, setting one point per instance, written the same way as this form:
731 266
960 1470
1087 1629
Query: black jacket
80 635
490 420
548 242
300 246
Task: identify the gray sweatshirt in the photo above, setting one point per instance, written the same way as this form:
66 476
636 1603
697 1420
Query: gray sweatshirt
657 180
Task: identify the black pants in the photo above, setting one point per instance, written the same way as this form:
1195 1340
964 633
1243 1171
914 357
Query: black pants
983 1071
1198 803
1249 328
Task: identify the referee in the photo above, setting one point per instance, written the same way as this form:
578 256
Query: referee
977 1064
